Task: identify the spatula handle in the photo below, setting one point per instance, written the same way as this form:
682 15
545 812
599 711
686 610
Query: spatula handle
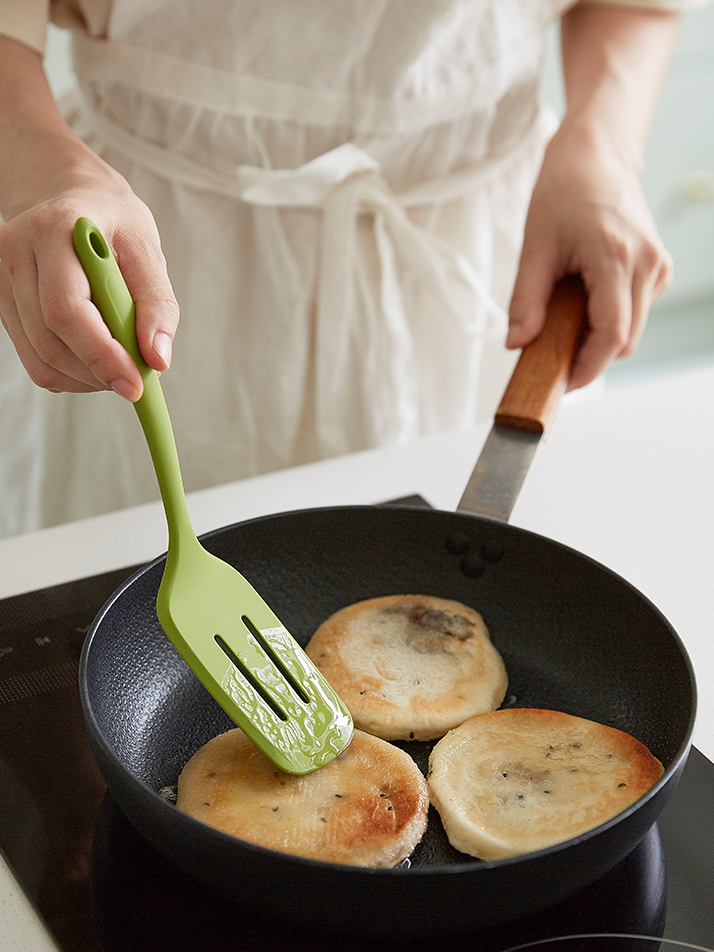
543 369
114 302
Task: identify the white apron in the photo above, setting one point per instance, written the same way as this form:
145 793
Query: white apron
340 188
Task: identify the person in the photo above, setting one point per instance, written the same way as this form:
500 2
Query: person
348 195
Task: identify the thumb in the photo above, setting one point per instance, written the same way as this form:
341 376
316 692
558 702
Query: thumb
157 311
531 293
157 316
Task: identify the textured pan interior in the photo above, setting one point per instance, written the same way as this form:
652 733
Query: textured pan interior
574 637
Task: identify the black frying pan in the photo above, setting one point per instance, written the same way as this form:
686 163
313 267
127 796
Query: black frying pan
574 636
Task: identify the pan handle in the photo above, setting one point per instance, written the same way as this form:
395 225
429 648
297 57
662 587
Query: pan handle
541 375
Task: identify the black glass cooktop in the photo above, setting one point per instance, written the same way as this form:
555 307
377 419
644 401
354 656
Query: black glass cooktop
100 887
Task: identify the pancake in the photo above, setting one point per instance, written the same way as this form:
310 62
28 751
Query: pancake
368 807
518 780
410 667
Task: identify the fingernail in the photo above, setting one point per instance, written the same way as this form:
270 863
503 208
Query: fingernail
124 389
162 346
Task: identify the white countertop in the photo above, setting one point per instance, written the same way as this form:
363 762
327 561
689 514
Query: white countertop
626 476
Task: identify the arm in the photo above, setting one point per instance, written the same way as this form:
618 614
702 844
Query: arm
48 178
587 212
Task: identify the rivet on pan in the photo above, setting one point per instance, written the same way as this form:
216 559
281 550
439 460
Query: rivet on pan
457 543
492 550
473 566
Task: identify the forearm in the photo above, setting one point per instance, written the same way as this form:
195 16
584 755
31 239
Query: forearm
615 59
40 156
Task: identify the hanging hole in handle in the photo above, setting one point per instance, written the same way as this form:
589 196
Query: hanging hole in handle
99 245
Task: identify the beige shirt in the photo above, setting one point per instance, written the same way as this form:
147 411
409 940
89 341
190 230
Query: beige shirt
27 20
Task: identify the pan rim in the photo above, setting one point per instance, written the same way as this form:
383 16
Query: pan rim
469 866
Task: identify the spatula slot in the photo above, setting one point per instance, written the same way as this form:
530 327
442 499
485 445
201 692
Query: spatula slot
277 660
250 678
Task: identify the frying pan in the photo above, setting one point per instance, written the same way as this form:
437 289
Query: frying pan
574 637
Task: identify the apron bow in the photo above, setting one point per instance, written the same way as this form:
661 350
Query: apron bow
346 184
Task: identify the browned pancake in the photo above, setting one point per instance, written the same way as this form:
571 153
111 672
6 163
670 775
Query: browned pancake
366 808
410 666
518 780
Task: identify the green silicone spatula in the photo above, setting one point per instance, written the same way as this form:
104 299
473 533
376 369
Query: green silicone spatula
230 638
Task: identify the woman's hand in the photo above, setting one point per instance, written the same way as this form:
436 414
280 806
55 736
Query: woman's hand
587 212
48 179
45 301
588 215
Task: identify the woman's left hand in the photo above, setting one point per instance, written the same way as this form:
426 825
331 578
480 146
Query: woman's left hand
588 215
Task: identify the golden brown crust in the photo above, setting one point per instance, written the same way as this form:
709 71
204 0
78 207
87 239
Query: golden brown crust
366 808
410 666
519 780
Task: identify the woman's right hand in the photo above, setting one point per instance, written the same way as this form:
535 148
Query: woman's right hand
49 179
45 303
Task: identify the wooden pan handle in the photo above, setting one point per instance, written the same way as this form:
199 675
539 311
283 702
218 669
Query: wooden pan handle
543 369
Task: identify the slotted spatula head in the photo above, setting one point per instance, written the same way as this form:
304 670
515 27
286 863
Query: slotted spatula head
230 638
245 657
